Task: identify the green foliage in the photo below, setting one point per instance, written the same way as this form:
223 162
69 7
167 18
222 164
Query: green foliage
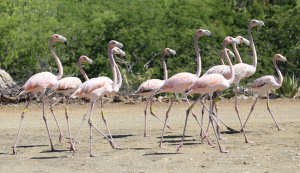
145 28
289 86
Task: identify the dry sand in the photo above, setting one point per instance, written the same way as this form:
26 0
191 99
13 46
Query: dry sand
273 151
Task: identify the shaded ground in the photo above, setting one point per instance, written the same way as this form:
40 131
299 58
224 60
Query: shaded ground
272 151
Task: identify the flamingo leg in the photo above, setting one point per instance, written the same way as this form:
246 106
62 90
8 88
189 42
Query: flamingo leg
217 120
222 150
238 114
48 131
165 122
56 122
153 114
199 124
90 112
268 107
20 126
106 125
145 118
185 124
251 110
72 145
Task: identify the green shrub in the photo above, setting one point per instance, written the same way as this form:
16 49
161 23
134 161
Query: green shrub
289 86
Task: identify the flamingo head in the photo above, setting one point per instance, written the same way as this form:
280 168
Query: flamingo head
230 40
84 58
202 32
118 51
243 40
114 43
168 52
254 22
279 57
58 38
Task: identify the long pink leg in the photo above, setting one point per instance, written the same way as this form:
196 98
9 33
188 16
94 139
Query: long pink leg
72 145
212 124
20 125
217 119
56 122
251 110
153 114
166 119
90 124
268 106
45 120
114 146
238 114
185 124
145 118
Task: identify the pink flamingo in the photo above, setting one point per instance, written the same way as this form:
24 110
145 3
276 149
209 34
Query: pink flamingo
96 88
148 87
66 86
263 85
38 83
208 84
225 69
179 82
243 70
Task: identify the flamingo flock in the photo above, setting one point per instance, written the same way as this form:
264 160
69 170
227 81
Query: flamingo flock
214 81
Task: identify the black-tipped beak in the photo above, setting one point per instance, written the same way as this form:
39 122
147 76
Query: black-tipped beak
66 43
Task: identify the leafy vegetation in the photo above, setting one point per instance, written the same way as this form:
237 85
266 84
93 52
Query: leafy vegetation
289 87
145 28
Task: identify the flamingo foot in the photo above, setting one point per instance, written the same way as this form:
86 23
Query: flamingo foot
91 155
222 150
14 151
179 146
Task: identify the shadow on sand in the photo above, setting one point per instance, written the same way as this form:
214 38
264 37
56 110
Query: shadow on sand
31 146
48 157
160 154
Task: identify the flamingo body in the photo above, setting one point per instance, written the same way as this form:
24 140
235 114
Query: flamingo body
179 82
210 83
68 85
39 82
148 87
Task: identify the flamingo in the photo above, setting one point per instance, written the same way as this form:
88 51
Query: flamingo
208 84
66 86
225 69
179 82
38 83
263 85
96 88
243 70
148 87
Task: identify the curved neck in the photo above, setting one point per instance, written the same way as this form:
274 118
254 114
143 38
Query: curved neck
236 53
254 55
230 80
119 76
163 60
59 65
82 71
113 65
222 58
198 57
280 79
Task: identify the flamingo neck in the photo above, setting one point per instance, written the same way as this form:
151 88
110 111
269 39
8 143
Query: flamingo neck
58 62
113 66
222 58
198 57
236 53
82 71
280 79
165 67
230 80
254 55
119 76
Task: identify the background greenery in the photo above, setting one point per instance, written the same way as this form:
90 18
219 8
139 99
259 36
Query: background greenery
145 27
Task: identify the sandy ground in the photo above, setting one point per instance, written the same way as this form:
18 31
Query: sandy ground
273 151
